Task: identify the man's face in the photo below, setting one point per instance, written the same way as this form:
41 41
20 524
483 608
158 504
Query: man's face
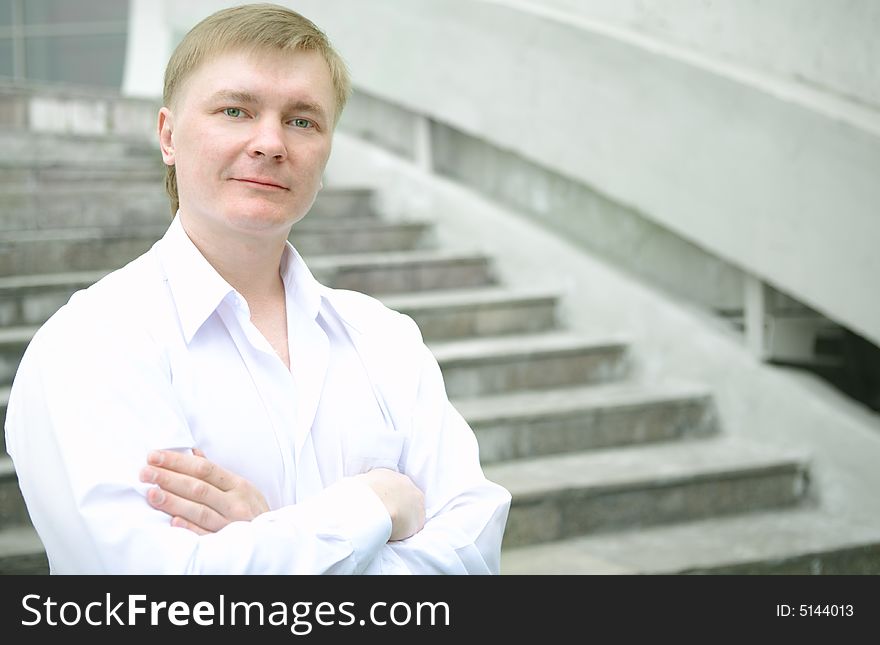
249 135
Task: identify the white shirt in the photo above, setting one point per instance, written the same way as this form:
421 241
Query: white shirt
162 354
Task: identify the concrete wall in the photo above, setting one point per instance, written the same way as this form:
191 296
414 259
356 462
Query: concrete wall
59 109
710 141
605 227
148 48
832 45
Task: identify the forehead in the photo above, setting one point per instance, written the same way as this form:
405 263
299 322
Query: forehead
268 74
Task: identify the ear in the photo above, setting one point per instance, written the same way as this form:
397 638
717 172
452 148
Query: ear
166 141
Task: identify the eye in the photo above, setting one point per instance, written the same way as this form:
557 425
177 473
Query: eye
232 112
302 123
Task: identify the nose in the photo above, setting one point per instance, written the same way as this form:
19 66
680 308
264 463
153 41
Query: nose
268 141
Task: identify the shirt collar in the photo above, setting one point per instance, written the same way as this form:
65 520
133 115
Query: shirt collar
198 289
299 283
196 286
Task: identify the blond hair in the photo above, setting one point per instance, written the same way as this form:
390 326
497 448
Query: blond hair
250 27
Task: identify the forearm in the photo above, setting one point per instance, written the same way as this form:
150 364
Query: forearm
338 531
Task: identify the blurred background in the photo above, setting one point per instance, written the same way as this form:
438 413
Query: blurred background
698 176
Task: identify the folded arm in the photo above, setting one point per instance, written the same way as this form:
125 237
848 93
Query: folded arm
203 497
455 526
85 412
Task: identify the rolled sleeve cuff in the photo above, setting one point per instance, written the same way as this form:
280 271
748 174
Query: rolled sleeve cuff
362 516
347 523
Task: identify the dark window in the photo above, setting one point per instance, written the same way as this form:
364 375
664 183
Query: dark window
83 60
38 12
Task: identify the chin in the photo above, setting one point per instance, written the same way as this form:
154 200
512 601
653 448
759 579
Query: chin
262 218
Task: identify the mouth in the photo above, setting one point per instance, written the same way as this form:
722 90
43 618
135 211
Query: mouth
260 183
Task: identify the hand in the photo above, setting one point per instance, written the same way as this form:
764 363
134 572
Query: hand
402 498
198 494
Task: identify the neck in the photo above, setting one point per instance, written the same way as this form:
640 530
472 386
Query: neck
250 263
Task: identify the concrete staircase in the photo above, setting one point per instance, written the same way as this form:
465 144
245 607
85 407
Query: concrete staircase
607 475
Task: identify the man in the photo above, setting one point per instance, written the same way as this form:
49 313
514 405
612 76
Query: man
211 408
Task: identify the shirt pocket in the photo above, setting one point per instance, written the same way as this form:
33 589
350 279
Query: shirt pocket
376 449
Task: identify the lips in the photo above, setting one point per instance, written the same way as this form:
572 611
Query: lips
261 181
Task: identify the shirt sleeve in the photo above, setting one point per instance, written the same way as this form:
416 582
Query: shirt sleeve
86 407
465 513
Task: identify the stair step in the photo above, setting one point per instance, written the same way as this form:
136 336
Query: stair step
336 235
122 173
564 496
13 342
792 542
86 249
384 273
72 206
343 202
142 203
13 511
35 252
31 299
22 552
492 365
490 311
532 424
29 147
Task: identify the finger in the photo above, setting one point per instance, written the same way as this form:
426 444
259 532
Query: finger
181 523
197 514
190 488
194 466
198 453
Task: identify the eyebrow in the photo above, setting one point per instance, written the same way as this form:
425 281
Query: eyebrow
242 96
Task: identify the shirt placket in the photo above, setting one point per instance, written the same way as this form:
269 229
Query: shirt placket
310 353
273 382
